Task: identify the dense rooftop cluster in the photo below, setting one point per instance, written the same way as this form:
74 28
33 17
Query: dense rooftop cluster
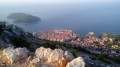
96 45
56 35
104 44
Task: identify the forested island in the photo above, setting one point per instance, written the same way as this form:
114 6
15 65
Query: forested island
23 18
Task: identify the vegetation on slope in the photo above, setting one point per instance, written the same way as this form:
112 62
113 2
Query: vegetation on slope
14 35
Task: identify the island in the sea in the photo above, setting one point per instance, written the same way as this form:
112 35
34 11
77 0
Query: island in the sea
23 18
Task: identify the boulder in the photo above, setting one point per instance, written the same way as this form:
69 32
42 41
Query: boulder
68 55
43 57
78 62
35 60
14 55
57 56
43 52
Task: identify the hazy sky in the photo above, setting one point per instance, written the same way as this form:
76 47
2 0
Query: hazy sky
54 1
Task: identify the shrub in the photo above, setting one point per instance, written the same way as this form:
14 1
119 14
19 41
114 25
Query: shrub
49 45
68 46
19 42
74 53
60 47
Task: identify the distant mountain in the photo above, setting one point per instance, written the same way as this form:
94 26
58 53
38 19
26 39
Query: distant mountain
23 18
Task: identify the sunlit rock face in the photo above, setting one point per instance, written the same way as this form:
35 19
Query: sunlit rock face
57 56
13 55
43 57
43 52
78 62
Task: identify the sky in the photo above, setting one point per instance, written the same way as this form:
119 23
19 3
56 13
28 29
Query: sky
54 1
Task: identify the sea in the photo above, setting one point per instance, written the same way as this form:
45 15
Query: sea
79 17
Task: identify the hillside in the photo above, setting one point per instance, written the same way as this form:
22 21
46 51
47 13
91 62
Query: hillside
16 45
21 49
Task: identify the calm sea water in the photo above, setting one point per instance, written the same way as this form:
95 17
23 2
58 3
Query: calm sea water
79 17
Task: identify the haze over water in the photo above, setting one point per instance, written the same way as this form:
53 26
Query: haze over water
79 17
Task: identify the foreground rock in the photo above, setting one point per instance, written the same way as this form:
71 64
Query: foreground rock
13 55
43 57
78 62
58 57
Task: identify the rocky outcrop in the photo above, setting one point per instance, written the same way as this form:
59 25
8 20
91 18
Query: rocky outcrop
13 55
78 62
43 57
57 56
43 52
